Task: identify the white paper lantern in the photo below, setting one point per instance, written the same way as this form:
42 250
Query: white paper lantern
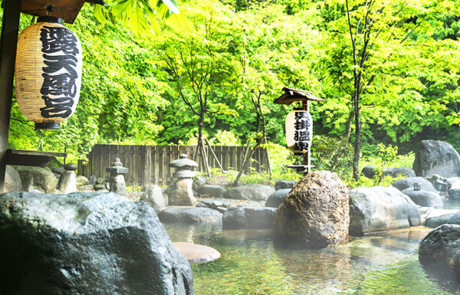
299 131
48 72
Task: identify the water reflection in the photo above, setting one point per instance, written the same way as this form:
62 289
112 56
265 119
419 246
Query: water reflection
250 264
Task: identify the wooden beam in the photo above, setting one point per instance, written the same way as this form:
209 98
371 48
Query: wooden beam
8 41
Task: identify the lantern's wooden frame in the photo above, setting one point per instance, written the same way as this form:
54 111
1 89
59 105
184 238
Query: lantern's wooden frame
65 9
292 95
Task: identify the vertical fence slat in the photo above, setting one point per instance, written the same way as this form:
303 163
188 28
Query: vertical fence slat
97 160
105 161
225 153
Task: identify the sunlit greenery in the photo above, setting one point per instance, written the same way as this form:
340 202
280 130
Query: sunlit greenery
153 70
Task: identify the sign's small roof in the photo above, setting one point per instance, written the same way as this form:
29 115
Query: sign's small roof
291 94
65 9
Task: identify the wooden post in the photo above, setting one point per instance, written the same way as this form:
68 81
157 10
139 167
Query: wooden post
205 158
215 157
306 157
8 41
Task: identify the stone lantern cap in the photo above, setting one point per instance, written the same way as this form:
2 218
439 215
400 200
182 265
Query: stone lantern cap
183 165
183 162
117 167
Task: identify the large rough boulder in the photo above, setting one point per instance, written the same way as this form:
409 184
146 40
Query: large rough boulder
314 214
13 181
408 182
378 208
277 198
424 198
439 252
248 217
154 197
253 192
37 179
190 215
436 157
86 243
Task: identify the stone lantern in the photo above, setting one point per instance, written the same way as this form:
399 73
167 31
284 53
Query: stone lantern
180 192
117 179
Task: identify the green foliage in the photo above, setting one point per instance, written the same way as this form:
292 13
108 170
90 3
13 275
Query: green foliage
245 52
333 154
226 138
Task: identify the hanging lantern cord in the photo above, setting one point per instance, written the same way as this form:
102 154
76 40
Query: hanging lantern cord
49 8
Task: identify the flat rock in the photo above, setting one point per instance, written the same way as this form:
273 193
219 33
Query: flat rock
436 157
374 209
213 204
284 184
314 214
87 243
277 198
408 182
424 198
253 192
214 191
196 253
190 215
370 172
248 217
438 217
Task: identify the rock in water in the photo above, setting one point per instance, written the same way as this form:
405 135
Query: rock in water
379 208
439 251
436 157
314 214
248 217
86 243
408 182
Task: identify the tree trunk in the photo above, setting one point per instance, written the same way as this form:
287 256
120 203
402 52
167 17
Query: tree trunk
356 156
259 159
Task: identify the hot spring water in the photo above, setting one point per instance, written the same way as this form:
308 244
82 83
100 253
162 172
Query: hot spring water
383 263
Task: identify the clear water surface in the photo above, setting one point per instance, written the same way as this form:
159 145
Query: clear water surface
382 263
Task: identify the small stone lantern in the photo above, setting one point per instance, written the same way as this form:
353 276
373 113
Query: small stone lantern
180 192
68 180
417 186
117 179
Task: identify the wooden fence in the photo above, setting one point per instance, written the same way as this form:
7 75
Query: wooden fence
150 164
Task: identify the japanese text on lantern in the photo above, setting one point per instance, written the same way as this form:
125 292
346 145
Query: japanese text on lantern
60 50
301 133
